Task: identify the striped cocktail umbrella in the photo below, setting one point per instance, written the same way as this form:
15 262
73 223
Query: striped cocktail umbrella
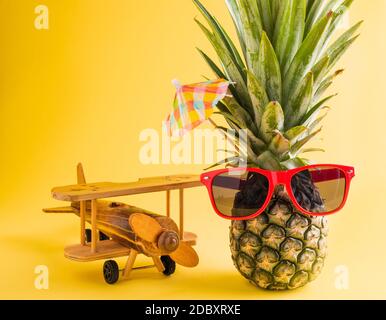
194 104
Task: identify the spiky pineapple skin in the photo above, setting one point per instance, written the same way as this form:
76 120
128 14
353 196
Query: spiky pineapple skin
280 249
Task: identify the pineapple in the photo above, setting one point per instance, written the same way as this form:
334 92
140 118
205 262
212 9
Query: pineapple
279 75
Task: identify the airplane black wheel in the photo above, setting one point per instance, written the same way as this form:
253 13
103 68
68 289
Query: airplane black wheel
102 236
111 271
88 235
169 264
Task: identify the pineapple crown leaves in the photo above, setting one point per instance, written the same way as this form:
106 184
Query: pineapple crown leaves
280 75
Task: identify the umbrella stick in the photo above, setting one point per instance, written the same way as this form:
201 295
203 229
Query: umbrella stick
213 123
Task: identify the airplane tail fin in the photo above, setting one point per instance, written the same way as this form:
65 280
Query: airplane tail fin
70 209
80 174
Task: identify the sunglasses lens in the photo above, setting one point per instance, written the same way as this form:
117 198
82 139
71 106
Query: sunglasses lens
239 194
319 190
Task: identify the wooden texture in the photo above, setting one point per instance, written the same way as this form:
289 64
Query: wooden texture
59 210
82 215
158 264
190 238
129 264
181 201
131 230
94 232
113 220
185 255
145 226
80 174
168 203
100 190
106 249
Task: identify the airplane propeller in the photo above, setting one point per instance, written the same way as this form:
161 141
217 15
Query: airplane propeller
145 227
148 228
185 255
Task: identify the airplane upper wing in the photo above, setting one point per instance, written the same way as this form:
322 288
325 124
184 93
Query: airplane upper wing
92 191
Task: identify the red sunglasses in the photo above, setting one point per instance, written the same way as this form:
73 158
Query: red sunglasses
244 193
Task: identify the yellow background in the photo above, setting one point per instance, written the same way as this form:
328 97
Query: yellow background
83 91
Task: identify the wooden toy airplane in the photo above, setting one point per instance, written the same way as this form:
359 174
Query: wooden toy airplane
118 229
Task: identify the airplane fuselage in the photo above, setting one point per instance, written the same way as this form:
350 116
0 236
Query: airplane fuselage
113 220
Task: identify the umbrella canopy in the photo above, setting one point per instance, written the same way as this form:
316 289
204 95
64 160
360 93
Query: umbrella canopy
194 104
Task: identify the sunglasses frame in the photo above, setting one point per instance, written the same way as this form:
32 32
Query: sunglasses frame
277 178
